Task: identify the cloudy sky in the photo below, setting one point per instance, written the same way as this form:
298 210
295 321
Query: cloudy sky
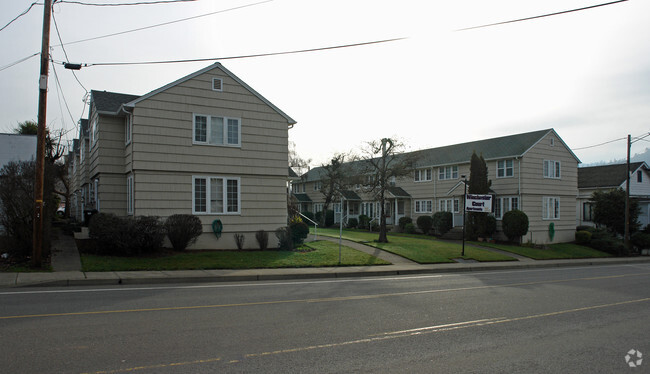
586 74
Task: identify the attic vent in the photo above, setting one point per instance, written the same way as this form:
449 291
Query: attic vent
552 142
217 84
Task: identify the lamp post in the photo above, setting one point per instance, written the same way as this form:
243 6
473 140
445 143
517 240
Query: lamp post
464 210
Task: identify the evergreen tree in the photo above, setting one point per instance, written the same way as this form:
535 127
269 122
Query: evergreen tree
477 223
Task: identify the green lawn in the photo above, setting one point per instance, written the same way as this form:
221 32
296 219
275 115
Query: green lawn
324 254
555 251
423 249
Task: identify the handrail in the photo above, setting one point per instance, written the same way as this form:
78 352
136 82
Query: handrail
315 225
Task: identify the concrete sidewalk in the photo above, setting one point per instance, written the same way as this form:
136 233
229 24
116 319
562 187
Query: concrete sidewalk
66 265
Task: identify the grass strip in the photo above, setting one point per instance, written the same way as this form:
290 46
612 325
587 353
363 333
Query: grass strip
553 252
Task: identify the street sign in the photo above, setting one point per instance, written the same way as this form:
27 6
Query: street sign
478 203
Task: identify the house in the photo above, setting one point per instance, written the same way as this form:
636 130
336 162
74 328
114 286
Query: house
206 144
535 172
607 177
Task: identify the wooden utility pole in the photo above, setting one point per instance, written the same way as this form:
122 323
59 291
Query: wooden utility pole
626 238
37 237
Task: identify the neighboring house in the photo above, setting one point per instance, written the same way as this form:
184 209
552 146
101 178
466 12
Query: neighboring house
534 172
207 144
607 177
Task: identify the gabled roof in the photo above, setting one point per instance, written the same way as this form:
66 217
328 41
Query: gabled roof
492 149
83 128
350 195
110 102
292 174
606 176
302 197
216 65
398 192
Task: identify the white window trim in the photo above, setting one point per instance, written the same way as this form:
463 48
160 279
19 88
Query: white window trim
128 129
225 195
423 175
546 200
220 84
505 168
556 173
426 204
225 130
442 172
499 202
96 192
129 195
94 131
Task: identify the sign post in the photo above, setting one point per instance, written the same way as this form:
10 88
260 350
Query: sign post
475 203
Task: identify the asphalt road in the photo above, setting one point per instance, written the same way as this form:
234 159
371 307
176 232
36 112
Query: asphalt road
577 320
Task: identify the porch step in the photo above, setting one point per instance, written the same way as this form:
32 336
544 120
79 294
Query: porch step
455 233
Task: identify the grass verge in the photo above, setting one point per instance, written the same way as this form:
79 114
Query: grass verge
553 252
318 254
424 250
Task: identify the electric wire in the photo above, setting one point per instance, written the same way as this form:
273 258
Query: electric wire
541 16
598 145
56 27
245 56
62 95
125 4
19 61
20 15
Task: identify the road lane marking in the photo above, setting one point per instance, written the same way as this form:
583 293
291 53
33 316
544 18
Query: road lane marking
317 300
158 366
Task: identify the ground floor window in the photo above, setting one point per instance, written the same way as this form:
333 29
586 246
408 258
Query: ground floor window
369 209
550 207
449 205
318 208
504 204
587 212
129 194
423 206
216 195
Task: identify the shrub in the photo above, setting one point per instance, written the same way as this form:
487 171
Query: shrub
515 224
148 234
425 223
490 226
403 221
298 232
641 240
409 228
329 218
353 223
374 226
583 237
442 222
111 234
364 221
262 239
183 230
284 238
239 240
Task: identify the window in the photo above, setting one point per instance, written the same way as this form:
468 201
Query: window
551 169
587 212
217 84
449 205
369 209
505 169
423 206
95 187
129 195
423 175
94 132
318 207
82 150
448 172
505 204
216 195
127 130
318 185
639 176
550 207
216 130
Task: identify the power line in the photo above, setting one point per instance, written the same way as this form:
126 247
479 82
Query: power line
19 61
541 16
167 23
56 27
123 4
598 145
244 56
20 15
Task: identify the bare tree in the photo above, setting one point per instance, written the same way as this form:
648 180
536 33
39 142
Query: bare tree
333 180
298 164
383 162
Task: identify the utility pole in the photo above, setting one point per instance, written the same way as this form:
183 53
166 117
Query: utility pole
37 237
626 239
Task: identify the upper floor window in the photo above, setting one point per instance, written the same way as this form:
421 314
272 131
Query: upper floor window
318 185
639 176
127 129
217 130
423 175
448 172
216 195
94 132
82 150
552 169
505 168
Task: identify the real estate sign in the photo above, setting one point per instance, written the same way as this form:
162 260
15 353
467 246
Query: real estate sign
478 203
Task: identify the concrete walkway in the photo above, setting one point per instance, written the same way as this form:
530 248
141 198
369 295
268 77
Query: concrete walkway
66 266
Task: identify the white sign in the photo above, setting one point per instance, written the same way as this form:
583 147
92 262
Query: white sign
478 203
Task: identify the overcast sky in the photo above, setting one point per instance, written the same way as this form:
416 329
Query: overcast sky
586 74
